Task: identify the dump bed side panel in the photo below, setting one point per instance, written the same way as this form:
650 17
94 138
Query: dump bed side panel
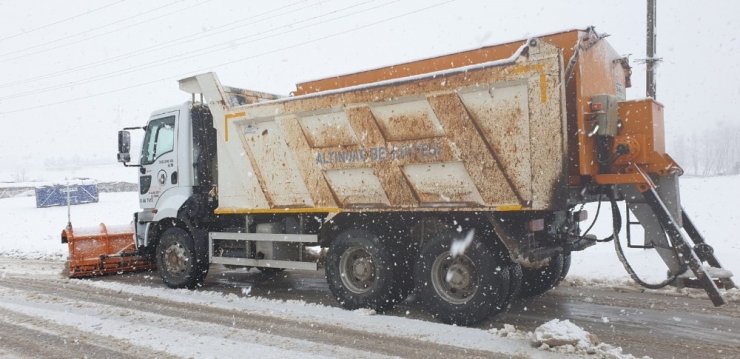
488 137
566 40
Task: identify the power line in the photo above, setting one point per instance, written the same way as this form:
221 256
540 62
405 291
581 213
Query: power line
161 46
182 75
44 44
47 49
204 50
88 12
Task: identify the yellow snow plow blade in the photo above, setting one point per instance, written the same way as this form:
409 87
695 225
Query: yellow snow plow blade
103 250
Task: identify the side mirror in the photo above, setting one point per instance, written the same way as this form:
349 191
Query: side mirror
124 146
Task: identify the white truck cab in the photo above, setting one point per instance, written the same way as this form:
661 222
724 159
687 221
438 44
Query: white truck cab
170 159
166 172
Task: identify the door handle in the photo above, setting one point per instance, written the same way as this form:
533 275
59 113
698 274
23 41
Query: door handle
173 177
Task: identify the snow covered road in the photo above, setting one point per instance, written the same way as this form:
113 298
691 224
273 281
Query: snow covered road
292 315
107 318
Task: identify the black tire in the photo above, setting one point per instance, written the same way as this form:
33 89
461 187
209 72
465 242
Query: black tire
179 265
362 273
483 281
540 280
566 267
515 282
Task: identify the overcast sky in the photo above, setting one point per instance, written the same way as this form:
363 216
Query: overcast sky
74 72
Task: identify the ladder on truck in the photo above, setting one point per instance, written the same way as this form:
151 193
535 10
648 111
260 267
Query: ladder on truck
694 255
683 247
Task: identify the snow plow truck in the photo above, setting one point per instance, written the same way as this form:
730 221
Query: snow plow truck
460 178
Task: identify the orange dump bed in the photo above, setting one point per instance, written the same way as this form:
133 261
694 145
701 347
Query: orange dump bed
592 67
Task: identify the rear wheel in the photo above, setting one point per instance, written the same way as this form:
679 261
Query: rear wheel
362 273
540 280
177 261
462 289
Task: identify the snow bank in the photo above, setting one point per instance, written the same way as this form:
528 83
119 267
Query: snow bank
564 337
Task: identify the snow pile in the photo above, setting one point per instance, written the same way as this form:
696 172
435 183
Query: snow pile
732 295
711 271
563 333
564 337
510 331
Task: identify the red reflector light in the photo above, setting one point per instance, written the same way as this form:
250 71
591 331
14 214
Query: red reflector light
596 106
580 216
536 225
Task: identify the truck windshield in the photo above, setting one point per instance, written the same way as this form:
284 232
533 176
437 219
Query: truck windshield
159 139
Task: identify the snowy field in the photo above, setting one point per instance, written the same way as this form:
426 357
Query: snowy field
32 232
35 232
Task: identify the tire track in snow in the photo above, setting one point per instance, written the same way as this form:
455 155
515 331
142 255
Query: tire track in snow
32 337
340 341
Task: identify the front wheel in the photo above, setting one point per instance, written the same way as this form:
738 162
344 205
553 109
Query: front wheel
177 261
461 289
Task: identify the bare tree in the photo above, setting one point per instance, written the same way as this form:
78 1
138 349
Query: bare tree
20 175
711 152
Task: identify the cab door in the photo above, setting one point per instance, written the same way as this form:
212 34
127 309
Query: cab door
158 159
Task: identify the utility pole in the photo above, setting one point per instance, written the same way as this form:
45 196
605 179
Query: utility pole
651 61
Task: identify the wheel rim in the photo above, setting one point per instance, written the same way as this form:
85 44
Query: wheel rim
357 270
454 279
175 258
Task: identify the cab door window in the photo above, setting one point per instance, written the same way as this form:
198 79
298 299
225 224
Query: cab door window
159 139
